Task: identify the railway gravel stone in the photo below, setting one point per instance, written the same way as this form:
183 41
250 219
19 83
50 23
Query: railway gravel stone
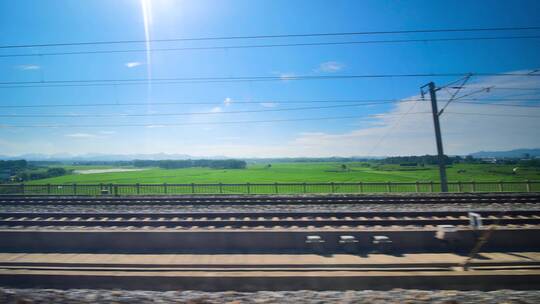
27 296
269 207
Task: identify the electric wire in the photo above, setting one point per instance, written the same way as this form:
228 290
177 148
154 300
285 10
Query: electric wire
154 81
227 47
357 33
156 125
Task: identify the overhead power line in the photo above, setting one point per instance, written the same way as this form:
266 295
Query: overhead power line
515 89
400 116
499 104
227 47
357 33
195 113
271 102
495 114
454 94
463 98
138 81
193 123
395 125
482 90
244 111
524 95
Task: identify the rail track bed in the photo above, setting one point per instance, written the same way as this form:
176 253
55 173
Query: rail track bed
364 207
343 203
266 219
499 198
255 243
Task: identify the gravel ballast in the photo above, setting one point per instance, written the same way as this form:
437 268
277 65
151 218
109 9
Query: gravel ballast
26 296
270 207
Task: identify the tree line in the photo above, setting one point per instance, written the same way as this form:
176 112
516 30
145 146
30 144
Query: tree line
191 163
449 160
36 174
417 160
21 170
13 165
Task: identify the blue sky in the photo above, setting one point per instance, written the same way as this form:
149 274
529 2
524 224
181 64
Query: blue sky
396 130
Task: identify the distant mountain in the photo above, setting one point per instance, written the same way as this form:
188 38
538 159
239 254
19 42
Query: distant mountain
517 153
105 157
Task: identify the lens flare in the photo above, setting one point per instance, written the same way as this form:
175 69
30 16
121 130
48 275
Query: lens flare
146 6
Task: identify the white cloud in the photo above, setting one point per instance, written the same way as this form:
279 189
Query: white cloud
133 64
216 110
406 130
269 104
155 126
287 76
81 135
28 67
330 67
228 101
393 132
99 134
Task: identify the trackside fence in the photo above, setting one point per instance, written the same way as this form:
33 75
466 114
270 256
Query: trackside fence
264 188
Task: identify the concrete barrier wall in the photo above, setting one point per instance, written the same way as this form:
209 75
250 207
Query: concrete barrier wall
252 241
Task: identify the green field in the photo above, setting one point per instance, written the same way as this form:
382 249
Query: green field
299 172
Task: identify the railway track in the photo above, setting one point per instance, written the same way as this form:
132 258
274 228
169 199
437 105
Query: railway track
205 244
532 198
266 219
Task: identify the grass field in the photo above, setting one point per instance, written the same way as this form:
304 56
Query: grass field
299 172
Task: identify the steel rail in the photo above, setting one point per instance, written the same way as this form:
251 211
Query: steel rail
237 214
266 219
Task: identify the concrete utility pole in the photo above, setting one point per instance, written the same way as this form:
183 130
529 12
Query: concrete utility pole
438 138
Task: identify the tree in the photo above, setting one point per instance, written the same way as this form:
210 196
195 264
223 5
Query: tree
52 172
15 165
